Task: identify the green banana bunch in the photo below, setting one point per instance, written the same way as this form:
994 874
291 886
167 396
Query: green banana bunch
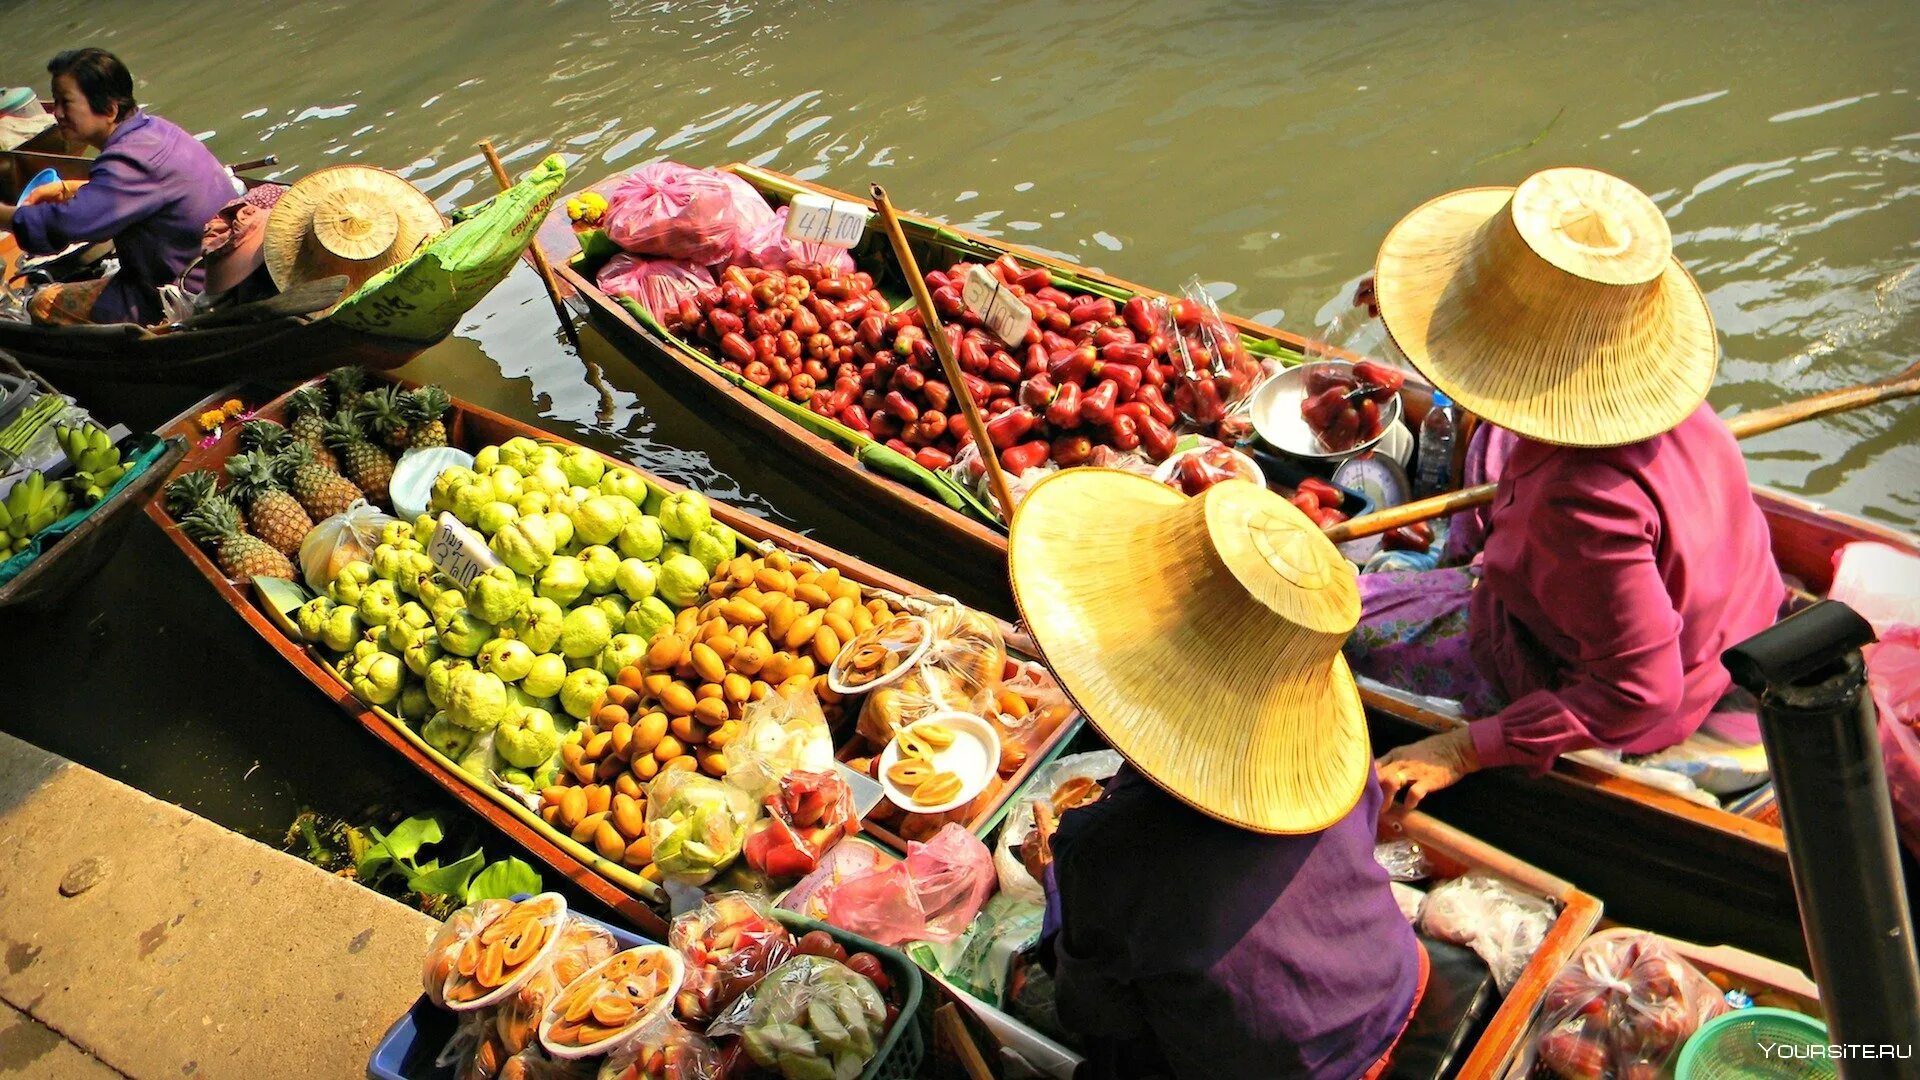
31 506
96 461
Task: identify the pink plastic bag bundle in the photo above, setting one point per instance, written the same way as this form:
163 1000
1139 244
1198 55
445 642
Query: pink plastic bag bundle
770 249
1893 674
1620 1010
931 896
659 285
683 213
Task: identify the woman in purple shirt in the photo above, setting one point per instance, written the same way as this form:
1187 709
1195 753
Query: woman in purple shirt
151 191
1624 550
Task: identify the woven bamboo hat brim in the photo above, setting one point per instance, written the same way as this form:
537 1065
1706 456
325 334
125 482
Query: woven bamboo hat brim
1202 638
346 219
1554 309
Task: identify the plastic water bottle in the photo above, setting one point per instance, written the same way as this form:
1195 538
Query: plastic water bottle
1434 472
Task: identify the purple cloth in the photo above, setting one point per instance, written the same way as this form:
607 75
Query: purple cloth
151 191
1413 636
1613 580
1222 952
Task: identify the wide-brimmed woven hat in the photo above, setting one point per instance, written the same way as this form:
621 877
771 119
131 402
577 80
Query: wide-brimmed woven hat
354 220
1555 309
1202 637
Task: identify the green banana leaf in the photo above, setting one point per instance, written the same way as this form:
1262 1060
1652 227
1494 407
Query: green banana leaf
873 455
424 298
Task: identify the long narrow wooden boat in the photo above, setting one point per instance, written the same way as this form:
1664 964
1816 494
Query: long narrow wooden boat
288 345
1681 863
1451 851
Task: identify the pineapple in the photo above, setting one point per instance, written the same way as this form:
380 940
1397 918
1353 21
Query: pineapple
242 558
384 413
263 435
187 491
258 483
426 415
347 384
306 411
365 464
320 491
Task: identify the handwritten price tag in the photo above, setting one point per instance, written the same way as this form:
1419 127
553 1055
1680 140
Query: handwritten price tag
459 552
1006 317
818 219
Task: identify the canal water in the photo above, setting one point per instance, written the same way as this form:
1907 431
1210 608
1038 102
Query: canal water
1261 148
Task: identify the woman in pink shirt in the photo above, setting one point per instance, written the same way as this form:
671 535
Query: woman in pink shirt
1624 550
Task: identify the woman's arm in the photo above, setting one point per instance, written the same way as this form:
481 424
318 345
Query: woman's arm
118 192
1594 573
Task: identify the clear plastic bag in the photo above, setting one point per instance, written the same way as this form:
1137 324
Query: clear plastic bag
814 1017
1403 860
1500 923
778 734
930 896
968 470
659 285
806 814
664 1049
349 536
1410 900
681 212
475 1051
917 695
1622 1007
729 943
444 950
769 249
1072 781
966 644
533 1063
1213 371
1030 707
611 1001
696 824
582 945
493 963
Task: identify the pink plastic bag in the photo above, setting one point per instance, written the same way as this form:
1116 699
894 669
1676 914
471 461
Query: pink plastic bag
931 896
1893 674
769 249
656 284
681 212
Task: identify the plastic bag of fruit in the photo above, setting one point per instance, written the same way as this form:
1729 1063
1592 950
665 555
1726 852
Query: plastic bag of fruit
966 644
812 1018
1030 708
923 691
696 824
1069 783
535 1064
1213 372
347 537
930 896
495 960
659 285
678 211
729 943
778 734
770 249
582 945
474 1052
663 1050
1500 923
444 950
1621 1008
807 813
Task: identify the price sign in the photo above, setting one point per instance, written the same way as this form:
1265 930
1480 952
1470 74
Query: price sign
817 219
1007 318
459 552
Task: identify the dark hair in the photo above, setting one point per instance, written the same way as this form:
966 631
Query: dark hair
100 75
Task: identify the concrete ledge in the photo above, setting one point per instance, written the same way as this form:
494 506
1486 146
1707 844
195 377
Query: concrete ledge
154 943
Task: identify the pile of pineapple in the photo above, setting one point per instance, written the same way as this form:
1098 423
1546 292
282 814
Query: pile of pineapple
337 448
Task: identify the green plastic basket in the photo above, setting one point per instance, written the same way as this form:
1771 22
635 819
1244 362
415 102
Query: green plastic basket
905 1047
1756 1044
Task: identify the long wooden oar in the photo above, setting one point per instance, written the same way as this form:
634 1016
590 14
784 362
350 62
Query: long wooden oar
955 377
1759 422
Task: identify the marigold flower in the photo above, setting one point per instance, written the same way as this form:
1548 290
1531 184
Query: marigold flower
232 407
211 420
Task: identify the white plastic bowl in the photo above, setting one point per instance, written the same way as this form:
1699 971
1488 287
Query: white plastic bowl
974 757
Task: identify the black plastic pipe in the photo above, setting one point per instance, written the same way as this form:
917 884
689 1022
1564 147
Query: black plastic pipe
1820 729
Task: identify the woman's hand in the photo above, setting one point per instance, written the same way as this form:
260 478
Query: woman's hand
1036 851
59 191
1422 768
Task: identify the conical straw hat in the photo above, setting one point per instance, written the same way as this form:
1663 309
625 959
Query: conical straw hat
1555 309
1202 638
346 219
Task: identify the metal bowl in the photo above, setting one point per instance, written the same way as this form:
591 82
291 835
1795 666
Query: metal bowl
1276 416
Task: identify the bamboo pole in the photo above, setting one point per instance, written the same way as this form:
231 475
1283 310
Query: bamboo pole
955 377
540 262
1903 385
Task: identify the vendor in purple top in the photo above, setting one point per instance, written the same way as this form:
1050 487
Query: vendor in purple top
151 191
1218 913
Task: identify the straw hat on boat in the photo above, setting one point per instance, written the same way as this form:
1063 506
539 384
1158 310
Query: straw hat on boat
354 220
1555 309
1202 637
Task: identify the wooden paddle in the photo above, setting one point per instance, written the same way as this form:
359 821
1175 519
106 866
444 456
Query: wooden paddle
955 377
1904 384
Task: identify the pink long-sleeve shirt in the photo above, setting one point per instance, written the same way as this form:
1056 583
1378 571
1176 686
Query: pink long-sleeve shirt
1613 579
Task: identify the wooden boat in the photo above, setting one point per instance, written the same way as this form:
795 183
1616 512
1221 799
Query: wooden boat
76 556
619 888
289 341
1682 863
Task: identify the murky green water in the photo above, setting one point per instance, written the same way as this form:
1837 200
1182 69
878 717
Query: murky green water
1261 147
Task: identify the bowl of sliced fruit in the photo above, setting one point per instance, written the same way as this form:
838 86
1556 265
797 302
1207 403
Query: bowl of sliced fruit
1328 409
